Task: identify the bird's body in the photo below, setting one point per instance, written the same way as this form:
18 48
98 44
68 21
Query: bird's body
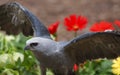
58 56
57 62
51 55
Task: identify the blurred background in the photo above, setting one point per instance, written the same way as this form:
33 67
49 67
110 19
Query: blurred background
50 11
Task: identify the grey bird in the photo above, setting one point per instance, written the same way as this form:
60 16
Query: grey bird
58 56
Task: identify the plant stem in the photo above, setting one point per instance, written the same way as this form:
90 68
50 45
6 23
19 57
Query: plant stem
75 33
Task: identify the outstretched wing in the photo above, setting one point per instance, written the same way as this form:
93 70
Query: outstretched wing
93 45
14 18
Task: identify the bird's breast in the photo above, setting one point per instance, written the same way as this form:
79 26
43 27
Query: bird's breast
53 61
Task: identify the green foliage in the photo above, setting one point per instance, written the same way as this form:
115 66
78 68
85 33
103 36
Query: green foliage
13 59
96 67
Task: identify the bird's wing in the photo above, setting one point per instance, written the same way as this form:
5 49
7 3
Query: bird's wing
93 45
14 18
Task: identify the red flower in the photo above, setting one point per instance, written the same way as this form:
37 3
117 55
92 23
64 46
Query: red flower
101 26
75 23
75 67
53 28
117 22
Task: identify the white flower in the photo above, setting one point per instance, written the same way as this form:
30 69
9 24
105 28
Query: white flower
9 38
17 55
4 58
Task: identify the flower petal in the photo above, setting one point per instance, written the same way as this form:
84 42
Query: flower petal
101 26
117 22
73 19
81 21
53 27
74 23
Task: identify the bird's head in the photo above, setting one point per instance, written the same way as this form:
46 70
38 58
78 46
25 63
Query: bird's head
40 44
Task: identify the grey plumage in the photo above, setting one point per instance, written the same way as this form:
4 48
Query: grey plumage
58 56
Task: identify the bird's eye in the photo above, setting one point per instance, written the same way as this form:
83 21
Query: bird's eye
33 44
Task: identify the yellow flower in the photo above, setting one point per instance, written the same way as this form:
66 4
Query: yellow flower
116 66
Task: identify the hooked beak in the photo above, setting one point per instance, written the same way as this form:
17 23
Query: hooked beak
26 48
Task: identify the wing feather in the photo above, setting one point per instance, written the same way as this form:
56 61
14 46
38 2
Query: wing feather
93 45
14 18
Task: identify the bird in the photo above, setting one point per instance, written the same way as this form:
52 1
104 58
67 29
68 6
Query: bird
59 56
